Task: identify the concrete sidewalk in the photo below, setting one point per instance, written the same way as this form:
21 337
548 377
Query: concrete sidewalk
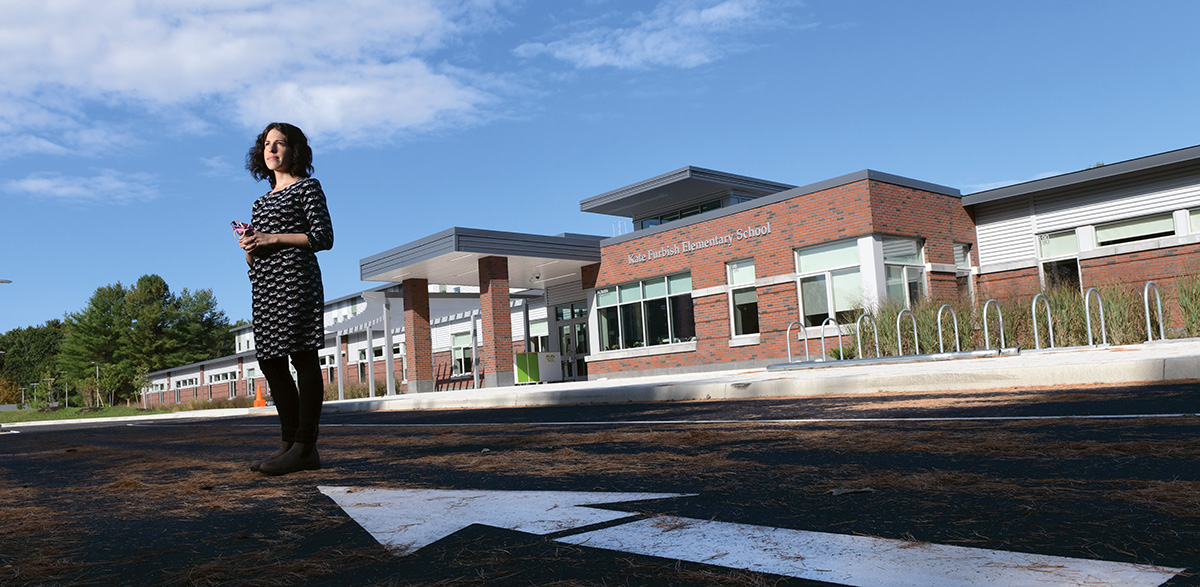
1157 362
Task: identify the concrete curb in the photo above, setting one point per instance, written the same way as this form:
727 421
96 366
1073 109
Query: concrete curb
1135 364
192 415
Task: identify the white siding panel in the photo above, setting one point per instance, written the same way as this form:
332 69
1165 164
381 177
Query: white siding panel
517 319
1083 208
565 293
537 310
440 334
1004 230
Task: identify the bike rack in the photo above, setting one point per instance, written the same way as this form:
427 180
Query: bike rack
1087 311
788 334
1162 333
999 314
900 339
954 316
858 334
1049 321
838 332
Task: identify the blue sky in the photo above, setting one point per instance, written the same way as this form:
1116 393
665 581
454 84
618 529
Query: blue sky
124 125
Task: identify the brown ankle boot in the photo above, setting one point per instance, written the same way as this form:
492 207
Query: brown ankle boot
284 445
301 457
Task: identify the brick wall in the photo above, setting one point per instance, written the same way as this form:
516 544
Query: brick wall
844 212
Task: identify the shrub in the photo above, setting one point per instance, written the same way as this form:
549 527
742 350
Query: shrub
1187 290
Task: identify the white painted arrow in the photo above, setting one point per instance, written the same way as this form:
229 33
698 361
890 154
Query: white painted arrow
410 519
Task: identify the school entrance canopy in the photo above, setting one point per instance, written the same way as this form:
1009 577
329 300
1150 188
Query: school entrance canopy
494 261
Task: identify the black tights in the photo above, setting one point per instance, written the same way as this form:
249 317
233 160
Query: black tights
299 410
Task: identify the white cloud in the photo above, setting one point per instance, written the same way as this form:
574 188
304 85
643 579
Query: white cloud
677 33
108 186
336 66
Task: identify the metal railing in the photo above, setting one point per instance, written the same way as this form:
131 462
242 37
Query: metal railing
1045 309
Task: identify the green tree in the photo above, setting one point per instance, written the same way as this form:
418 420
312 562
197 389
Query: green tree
145 328
94 334
31 351
149 314
199 328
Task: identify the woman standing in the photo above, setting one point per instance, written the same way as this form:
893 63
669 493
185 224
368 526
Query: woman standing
290 224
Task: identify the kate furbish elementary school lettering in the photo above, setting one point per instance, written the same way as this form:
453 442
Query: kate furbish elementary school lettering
716 267
688 246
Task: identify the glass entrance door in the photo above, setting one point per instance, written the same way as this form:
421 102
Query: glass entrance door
571 321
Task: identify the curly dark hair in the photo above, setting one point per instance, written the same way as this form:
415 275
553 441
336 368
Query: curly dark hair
299 153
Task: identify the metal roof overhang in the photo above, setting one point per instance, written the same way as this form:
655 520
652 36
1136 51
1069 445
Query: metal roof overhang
677 188
1171 162
452 256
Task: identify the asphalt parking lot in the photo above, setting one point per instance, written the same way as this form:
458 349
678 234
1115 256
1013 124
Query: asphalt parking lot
1087 474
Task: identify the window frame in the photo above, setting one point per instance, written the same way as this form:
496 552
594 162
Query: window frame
1169 216
910 272
828 274
619 312
461 354
739 284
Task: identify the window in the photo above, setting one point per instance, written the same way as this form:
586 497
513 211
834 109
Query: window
570 311
1060 266
743 296
830 282
904 270
677 214
1135 230
962 255
460 352
646 313
539 336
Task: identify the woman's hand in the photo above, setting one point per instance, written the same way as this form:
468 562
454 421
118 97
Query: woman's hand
252 241
257 240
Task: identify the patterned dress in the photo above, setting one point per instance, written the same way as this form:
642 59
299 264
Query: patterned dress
287 296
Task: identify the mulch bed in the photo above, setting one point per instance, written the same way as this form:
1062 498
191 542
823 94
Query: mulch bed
176 504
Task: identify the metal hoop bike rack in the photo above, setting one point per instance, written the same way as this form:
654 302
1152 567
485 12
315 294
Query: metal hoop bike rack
1049 320
803 331
957 346
1000 315
858 334
838 333
1162 333
900 338
1087 311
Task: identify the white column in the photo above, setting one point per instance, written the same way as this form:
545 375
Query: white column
337 342
371 361
874 280
389 357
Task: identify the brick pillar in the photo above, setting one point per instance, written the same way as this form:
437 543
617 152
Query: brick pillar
418 341
495 348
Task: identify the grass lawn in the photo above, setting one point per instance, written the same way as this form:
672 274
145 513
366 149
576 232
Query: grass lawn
73 413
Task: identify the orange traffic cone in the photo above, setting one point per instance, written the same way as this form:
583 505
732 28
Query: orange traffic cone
259 402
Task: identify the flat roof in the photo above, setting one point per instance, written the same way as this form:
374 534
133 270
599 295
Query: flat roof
1099 176
676 188
796 192
451 257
